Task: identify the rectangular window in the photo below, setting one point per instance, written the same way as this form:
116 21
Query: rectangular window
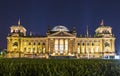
56 46
83 50
66 45
61 45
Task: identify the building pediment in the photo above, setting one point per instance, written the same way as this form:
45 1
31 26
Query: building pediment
61 34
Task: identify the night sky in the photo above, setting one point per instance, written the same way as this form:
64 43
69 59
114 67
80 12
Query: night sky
36 15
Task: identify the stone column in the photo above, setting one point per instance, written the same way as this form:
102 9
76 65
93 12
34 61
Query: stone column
58 45
73 46
113 43
21 44
85 47
46 46
68 45
101 47
53 45
103 42
64 51
49 46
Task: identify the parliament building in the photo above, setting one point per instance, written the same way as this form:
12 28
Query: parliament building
60 41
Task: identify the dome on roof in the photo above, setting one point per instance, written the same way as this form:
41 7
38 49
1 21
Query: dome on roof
60 28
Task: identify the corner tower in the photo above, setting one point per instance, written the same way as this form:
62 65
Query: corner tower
14 38
104 31
17 30
108 40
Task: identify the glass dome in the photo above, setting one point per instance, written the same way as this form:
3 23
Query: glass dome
60 28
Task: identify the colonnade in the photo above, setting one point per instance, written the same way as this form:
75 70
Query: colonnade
61 46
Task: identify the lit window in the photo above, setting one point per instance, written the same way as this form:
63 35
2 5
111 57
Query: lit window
61 46
92 51
56 46
78 50
97 49
66 44
83 50
24 43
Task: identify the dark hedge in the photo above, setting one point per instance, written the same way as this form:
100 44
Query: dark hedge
59 67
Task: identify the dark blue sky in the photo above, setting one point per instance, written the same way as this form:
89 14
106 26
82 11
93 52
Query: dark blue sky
36 15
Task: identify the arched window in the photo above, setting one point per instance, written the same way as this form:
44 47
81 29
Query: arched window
83 44
34 43
15 44
92 44
39 43
43 44
29 43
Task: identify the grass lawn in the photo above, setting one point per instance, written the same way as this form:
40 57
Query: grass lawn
59 67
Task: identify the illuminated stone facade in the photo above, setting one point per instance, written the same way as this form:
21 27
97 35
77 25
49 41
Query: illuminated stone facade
60 41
